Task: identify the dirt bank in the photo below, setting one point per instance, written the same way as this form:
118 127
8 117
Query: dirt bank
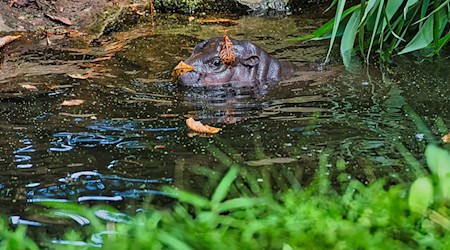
30 15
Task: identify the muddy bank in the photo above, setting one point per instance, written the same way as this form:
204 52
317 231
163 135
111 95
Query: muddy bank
32 15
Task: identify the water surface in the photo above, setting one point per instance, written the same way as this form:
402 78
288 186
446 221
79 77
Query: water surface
129 137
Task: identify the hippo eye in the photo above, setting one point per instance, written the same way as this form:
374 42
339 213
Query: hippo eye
216 62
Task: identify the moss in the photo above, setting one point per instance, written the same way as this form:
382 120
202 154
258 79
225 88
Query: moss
179 5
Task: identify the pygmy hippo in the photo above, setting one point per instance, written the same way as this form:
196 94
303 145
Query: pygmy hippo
251 65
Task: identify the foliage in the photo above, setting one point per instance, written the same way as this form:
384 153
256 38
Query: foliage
361 217
393 27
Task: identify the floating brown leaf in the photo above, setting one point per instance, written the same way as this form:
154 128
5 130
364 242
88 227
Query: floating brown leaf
63 20
99 59
82 76
199 127
29 86
446 138
180 69
227 55
73 102
7 39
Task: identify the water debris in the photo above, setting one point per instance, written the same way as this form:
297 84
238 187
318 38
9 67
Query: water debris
100 59
84 76
270 161
73 102
446 138
227 55
200 128
63 20
8 39
29 87
180 69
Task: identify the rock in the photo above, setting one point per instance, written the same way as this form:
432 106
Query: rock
3 26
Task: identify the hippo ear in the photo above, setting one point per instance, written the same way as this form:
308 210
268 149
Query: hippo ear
199 47
250 60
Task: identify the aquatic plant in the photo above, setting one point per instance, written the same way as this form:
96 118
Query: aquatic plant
386 27
359 217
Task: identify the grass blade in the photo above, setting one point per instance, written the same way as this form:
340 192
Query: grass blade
374 32
407 6
339 10
224 186
348 38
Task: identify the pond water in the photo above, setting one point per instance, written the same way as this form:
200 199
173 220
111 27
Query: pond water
129 137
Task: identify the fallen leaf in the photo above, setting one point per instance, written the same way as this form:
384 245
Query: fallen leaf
73 102
99 59
270 161
180 69
29 86
227 55
446 138
7 39
199 127
82 76
63 20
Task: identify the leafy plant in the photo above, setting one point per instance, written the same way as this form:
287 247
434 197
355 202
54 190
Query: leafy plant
361 216
430 195
393 27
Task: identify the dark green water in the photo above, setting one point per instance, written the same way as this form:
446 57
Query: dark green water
129 137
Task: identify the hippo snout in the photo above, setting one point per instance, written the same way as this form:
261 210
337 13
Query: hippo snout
190 78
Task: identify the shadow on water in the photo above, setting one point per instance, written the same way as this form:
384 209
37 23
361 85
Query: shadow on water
129 137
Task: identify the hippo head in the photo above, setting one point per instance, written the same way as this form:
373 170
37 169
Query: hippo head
252 65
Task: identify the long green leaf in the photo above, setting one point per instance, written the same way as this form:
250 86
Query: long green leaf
374 32
348 38
367 9
423 38
187 197
407 6
436 9
331 6
361 29
239 203
339 10
224 186
442 42
325 28
392 7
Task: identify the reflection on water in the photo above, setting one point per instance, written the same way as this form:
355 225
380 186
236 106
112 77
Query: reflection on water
129 137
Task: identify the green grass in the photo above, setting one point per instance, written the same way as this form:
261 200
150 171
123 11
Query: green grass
316 217
386 28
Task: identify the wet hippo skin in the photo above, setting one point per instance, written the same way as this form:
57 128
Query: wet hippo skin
252 67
